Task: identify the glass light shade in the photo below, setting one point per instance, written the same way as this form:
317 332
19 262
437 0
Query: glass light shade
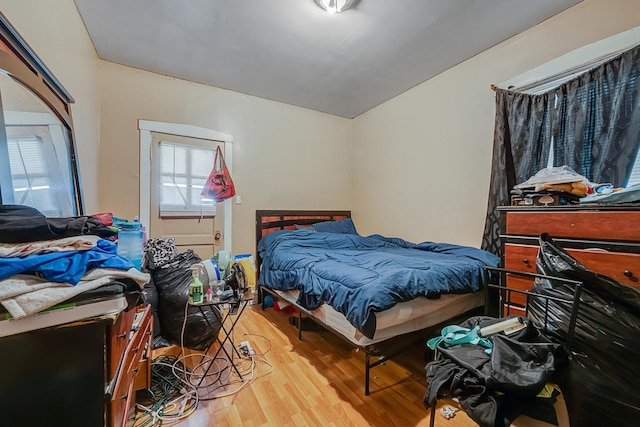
334 6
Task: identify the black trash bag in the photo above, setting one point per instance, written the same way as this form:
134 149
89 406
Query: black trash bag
172 282
151 297
604 370
493 389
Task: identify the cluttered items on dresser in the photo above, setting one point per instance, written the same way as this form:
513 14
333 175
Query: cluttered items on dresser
46 261
561 186
72 320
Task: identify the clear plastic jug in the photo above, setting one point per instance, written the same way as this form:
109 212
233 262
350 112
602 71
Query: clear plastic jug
130 242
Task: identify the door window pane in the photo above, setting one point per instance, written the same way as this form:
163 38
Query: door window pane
183 171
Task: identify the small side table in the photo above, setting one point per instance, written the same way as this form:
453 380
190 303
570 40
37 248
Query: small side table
232 308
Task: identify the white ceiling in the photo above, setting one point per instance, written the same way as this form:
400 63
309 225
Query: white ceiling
294 52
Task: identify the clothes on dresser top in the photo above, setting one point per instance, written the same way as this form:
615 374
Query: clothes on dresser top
23 295
20 223
66 267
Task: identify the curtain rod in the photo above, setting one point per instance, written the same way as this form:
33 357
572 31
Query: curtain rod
569 72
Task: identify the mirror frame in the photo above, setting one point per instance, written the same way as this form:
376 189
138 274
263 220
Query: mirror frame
20 62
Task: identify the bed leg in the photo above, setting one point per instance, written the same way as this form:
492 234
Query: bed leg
432 420
367 368
300 325
261 297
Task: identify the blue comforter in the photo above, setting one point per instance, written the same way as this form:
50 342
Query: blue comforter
359 276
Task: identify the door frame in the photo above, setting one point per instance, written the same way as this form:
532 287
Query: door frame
190 131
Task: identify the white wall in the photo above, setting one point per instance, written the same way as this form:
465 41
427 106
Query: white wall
422 160
284 157
56 33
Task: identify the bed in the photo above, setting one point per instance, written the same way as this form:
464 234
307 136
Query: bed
366 289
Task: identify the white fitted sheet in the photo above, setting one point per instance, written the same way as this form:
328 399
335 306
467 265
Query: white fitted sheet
404 317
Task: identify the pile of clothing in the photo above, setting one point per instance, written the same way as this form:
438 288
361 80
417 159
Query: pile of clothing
46 261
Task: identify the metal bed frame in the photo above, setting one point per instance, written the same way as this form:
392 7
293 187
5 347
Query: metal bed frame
271 220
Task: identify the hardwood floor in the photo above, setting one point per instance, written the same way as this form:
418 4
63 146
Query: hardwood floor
316 382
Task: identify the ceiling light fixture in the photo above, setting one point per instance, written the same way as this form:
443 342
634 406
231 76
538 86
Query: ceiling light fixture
334 6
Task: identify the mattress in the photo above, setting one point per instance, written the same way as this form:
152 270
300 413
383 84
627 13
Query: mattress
404 317
63 313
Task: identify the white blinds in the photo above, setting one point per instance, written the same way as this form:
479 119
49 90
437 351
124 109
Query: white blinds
33 181
183 170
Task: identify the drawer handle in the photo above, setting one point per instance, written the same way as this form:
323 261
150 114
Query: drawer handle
628 273
122 335
525 261
135 370
124 397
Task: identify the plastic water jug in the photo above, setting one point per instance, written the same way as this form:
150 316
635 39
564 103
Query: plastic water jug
130 242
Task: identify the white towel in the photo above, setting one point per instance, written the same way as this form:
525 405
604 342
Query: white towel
23 295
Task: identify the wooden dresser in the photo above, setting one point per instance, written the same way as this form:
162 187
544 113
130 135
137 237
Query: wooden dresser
84 373
606 240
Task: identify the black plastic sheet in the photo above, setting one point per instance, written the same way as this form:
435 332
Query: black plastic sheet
172 282
604 374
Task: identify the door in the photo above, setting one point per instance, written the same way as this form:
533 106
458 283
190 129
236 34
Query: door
205 234
180 166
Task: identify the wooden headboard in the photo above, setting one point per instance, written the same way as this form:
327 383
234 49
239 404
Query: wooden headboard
268 221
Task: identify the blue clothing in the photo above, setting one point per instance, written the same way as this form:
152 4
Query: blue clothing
65 267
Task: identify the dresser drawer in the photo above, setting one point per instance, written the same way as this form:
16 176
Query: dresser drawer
519 258
119 336
136 350
602 225
621 266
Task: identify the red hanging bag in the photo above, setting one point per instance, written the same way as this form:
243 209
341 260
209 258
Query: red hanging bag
219 186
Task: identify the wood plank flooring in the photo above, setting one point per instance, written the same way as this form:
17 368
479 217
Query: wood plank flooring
318 381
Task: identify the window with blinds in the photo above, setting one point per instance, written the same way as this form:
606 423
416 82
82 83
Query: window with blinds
36 179
183 170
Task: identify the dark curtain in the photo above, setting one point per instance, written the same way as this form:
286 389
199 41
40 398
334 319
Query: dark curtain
598 120
593 120
521 145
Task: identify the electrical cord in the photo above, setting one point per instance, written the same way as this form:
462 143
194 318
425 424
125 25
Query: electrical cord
170 401
174 393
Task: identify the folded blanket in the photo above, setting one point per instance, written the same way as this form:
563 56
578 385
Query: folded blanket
23 295
75 243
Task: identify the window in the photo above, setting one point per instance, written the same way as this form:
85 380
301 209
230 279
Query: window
558 71
36 174
36 181
183 171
